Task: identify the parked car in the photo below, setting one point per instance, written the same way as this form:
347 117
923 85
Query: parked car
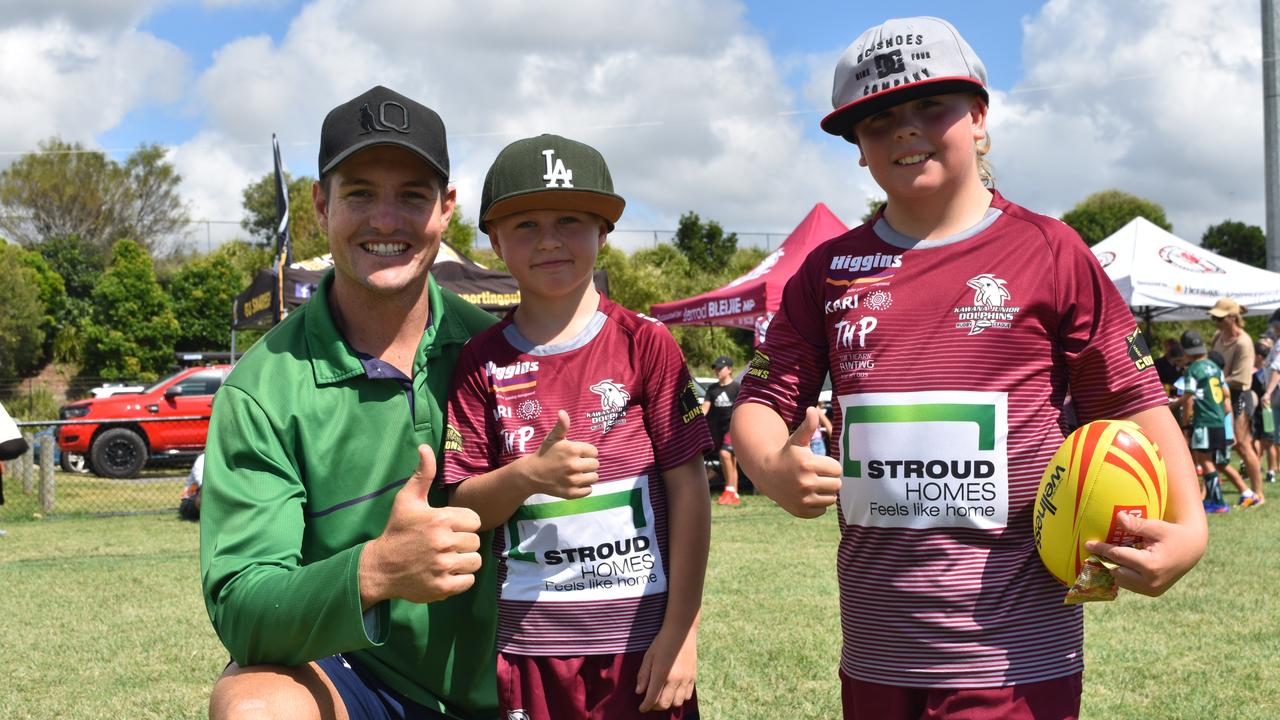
109 389
69 461
121 447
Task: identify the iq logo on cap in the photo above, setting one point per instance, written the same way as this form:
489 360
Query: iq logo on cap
901 60
549 172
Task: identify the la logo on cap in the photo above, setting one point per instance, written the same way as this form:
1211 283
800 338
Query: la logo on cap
557 174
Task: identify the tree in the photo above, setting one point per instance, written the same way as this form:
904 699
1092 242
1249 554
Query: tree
1102 213
21 315
1238 241
132 329
53 296
259 202
704 244
201 293
662 274
64 190
873 207
461 234
77 262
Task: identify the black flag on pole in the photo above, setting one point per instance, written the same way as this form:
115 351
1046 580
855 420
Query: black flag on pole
284 245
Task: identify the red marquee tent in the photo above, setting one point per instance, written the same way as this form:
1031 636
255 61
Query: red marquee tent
751 300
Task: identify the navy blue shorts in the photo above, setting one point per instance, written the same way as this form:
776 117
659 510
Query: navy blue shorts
367 698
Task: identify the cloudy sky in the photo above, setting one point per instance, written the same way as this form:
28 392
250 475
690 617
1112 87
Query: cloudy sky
704 105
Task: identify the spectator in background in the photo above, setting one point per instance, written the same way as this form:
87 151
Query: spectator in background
717 405
821 440
1271 393
1237 350
12 445
1167 366
1208 408
189 505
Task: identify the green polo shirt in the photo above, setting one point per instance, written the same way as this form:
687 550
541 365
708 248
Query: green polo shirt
304 458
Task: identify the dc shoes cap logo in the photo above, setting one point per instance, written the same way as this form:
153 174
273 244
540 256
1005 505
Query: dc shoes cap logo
517 715
391 117
889 63
557 174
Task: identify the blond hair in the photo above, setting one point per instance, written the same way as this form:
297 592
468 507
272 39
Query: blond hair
985 172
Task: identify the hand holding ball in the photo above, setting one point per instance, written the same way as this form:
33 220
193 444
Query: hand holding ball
1103 468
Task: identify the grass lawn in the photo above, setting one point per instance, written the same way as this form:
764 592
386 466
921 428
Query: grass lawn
102 618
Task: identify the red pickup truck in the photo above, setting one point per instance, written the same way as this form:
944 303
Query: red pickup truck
119 446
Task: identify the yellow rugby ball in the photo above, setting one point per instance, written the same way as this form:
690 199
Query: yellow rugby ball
1103 468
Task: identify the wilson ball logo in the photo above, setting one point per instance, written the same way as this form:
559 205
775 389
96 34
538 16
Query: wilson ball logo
1103 468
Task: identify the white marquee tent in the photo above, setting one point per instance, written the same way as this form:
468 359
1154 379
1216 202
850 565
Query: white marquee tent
1164 277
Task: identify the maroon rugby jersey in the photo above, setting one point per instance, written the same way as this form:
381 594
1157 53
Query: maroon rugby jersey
585 576
951 361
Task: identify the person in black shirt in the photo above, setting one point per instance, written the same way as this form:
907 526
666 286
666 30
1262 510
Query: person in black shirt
717 405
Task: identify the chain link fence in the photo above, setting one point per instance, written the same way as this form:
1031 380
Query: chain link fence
48 482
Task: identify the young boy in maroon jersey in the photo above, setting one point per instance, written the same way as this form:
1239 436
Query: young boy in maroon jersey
943 600
574 429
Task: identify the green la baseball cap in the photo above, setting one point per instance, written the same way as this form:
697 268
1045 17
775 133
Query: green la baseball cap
549 172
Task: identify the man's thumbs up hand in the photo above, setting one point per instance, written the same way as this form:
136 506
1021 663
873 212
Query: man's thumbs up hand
425 553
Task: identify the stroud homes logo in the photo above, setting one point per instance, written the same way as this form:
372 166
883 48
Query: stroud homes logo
988 309
925 459
599 547
1188 260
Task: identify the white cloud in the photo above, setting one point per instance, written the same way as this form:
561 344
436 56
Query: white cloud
93 15
687 105
1159 98
214 172
62 80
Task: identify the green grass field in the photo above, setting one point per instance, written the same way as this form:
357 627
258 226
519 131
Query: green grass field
102 618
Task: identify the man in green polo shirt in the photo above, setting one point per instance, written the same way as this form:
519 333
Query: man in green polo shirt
337 580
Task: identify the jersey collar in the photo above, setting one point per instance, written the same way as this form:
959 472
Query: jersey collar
333 360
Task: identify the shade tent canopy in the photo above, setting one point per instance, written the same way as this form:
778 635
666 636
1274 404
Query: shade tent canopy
489 289
751 300
1164 277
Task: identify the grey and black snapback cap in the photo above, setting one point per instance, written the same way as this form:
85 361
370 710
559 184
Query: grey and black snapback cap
901 60
381 116
549 172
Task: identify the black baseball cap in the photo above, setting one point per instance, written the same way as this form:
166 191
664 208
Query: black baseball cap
1192 343
722 362
897 61
381 116
549 172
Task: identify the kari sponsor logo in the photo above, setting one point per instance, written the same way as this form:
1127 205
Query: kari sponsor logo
878 299
988 309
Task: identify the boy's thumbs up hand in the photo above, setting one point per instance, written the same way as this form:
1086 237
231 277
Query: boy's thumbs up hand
806 484
561 467
425 553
